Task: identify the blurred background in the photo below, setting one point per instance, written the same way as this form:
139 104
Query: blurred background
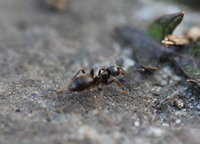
43 43
38 28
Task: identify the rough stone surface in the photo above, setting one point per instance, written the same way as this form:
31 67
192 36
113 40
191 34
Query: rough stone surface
40 50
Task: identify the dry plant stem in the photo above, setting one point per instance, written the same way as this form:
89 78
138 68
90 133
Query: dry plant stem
173 95
194 81
175 40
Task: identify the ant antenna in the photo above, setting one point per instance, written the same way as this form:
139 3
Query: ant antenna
116 48
112 58
138 69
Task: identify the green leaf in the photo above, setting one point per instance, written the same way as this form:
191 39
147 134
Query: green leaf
147 51
164 25
192 70
195 49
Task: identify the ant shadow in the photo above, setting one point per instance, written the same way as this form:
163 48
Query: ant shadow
83 102
67 102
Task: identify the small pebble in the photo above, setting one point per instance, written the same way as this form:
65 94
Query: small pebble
178 121
137 123
59 5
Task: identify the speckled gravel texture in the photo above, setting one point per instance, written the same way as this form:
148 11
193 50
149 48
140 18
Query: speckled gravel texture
40 51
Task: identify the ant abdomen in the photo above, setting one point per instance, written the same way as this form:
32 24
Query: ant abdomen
81 83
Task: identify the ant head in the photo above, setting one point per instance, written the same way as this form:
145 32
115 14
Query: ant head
115 70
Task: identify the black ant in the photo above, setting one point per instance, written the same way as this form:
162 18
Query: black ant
87 81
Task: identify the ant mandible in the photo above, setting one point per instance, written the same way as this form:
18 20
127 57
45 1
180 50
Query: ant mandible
87 81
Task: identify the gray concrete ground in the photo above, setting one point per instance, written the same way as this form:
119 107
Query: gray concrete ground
41 50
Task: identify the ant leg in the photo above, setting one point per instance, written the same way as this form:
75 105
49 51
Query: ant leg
65 89
81 70
92 73
99 88
118 84
61 90
138 69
